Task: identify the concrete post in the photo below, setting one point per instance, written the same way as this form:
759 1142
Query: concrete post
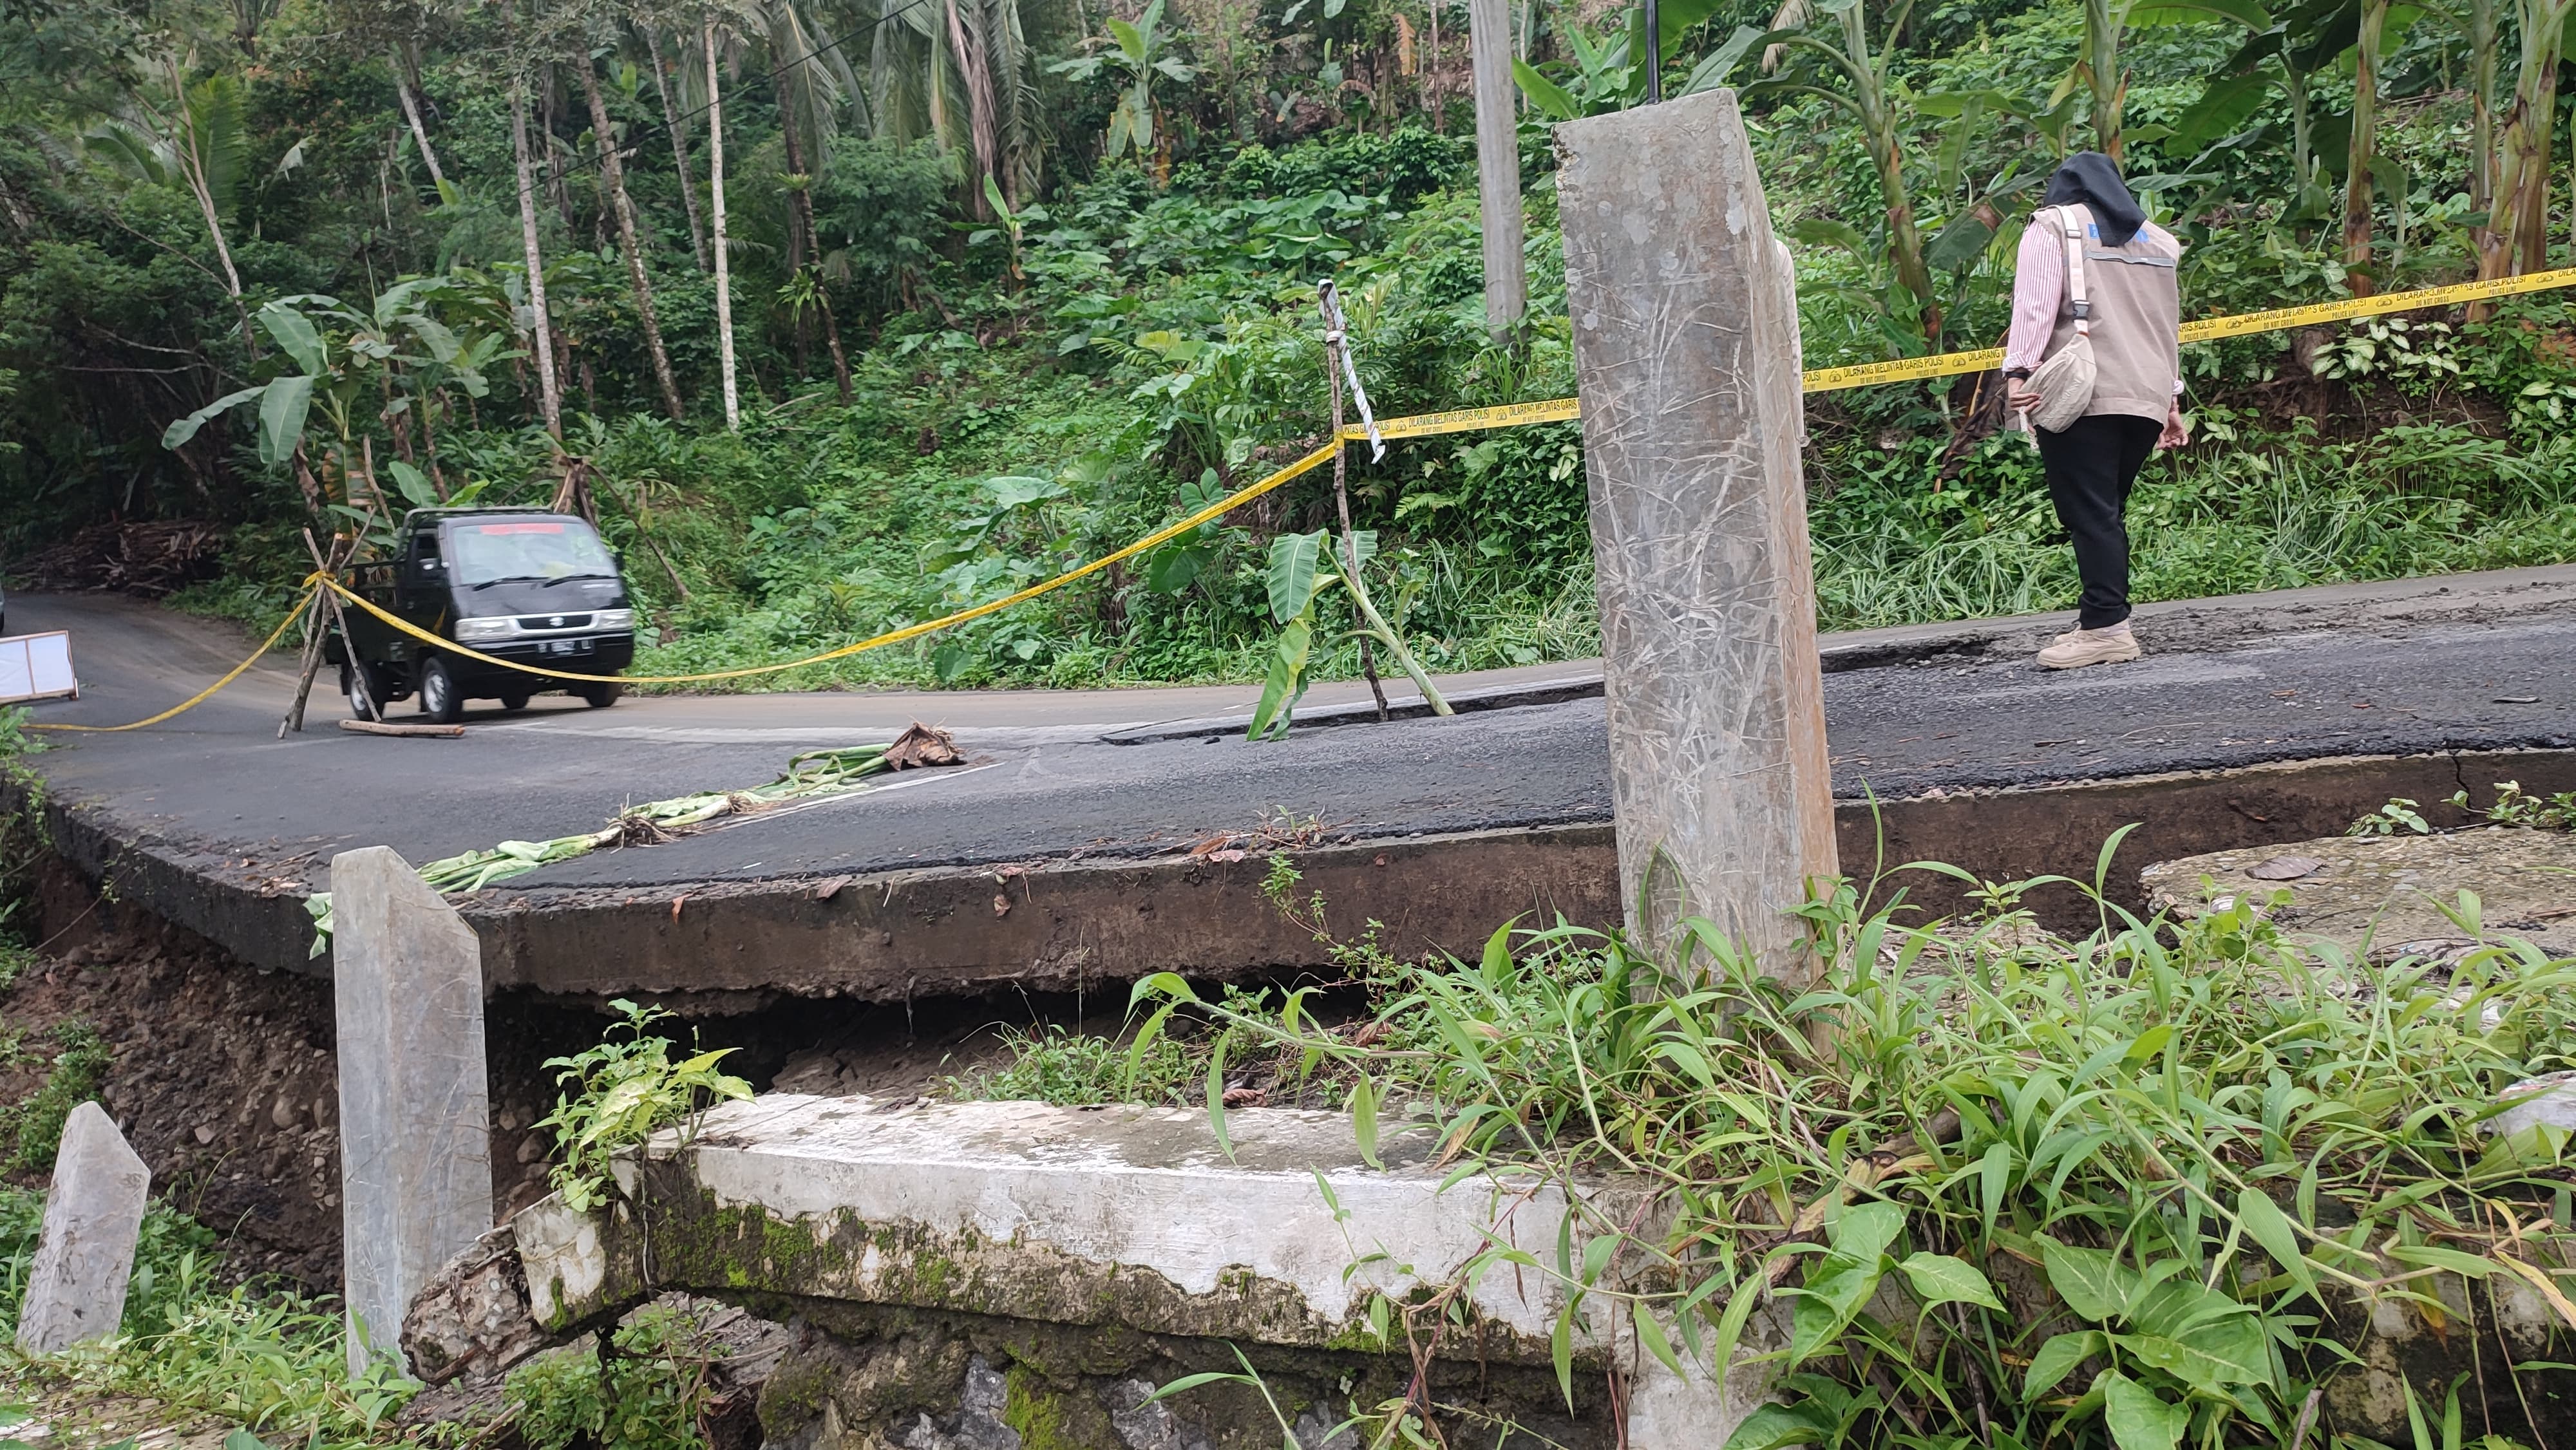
1498 163
1686 350
415 1115
85 1252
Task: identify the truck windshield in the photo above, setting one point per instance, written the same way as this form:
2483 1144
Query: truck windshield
526 549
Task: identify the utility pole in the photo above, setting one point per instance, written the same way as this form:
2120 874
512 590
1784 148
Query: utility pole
1498 165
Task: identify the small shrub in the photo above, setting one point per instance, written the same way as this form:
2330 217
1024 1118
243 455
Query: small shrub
2401 816
648 1393
38 1122
623 1092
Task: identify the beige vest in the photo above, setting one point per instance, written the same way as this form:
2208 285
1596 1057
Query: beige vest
2137 317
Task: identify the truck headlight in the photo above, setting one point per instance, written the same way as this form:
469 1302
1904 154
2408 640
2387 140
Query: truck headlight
614 619
498 628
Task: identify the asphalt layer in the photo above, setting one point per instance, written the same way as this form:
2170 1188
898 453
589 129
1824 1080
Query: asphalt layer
2488 663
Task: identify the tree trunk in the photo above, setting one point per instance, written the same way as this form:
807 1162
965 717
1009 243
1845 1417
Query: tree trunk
716 209
411 118
981 126
679 147
612 171
555 187
2482 138
801 201
2102 71
1904 237
2521 212
1886 152
1431 71
2357 194
549 392
1498 165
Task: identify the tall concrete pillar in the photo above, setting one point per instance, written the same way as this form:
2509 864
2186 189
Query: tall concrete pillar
415 1109
1685 318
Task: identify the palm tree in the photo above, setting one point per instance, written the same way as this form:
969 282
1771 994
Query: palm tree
1867 70
959 73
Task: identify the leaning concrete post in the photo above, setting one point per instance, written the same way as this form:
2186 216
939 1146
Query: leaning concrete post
415 1120
1686 350
85 1252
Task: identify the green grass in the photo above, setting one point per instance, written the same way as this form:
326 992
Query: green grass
2280 1127
267 1358
36 1125
1054 1065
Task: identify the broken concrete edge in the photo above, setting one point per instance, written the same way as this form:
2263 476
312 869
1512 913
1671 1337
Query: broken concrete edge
710 948
2385 897
1132 1217
2201 624
1582 681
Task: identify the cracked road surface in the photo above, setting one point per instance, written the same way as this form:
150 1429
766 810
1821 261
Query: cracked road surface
2477 662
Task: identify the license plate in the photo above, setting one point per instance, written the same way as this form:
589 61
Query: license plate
566 646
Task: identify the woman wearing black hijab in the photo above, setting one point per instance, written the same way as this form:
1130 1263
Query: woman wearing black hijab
2091 238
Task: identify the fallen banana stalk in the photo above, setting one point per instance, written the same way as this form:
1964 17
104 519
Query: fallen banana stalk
809 776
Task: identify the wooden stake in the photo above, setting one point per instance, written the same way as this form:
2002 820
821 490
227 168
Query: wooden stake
313 631
1333 345
311 664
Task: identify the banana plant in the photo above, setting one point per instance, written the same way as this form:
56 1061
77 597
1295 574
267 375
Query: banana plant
2100 70
1138 52
1605 75
1299 573
341 353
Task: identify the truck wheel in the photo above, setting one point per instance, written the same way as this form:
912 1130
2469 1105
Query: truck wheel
515 701
439 701
601 695
364 685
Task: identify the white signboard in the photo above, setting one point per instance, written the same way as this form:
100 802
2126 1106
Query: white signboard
37 667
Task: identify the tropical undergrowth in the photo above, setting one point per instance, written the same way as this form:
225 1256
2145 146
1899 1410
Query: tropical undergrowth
1998 1187
1157 347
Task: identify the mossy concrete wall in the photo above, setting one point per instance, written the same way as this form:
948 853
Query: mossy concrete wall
1124 1239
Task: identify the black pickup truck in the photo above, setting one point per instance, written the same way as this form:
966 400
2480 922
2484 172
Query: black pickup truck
520 585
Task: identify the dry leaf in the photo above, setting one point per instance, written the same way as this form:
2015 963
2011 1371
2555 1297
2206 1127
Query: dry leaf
921 745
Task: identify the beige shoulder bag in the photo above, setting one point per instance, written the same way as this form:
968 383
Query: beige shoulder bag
2064 381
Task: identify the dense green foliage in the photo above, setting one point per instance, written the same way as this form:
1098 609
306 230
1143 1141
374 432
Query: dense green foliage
2010 1189
1067 320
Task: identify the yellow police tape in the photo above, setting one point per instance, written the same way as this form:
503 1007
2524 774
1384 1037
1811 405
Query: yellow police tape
1160 536
2207 329
1424 425
199 698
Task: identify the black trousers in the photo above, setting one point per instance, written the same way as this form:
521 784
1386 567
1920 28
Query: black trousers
2090 467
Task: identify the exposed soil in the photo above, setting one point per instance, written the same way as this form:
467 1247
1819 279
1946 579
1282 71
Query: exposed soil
225 1078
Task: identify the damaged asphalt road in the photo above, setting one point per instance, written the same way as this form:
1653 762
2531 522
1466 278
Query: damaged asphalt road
1044 784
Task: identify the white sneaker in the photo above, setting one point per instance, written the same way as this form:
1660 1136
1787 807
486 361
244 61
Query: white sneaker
2080 647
